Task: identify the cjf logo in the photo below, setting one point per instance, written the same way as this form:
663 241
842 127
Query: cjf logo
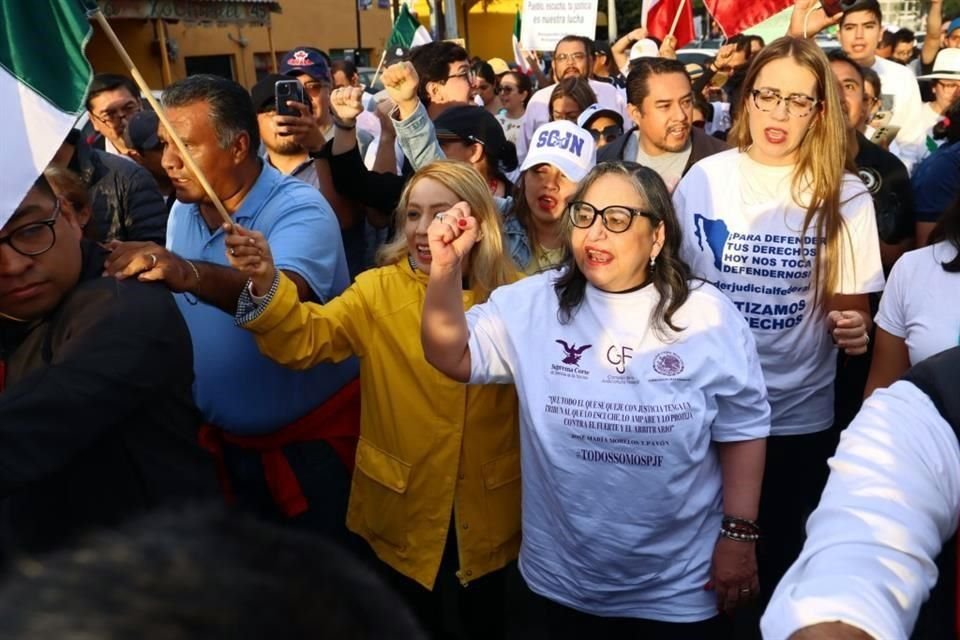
573 352
618 356
668 363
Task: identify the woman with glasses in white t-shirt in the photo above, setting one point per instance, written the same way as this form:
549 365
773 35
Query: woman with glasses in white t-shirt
642 412
784 227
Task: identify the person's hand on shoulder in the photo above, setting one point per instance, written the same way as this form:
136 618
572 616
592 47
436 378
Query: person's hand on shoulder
149 262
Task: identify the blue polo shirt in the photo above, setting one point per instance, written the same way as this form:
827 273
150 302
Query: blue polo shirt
236 387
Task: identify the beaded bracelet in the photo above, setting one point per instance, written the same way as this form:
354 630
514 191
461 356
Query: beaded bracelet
739 537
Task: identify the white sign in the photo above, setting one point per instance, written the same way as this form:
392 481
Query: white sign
545 22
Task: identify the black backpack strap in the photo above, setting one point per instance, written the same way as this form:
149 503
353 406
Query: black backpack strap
939 378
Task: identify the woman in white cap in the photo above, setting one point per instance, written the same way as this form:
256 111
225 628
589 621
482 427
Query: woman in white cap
643 415
560 154
605 125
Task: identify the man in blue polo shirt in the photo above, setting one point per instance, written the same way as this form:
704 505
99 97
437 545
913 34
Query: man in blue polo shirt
283 439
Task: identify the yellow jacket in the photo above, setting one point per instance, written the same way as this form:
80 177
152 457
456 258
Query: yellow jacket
427 444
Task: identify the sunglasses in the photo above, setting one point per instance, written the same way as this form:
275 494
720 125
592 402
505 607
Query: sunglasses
607 134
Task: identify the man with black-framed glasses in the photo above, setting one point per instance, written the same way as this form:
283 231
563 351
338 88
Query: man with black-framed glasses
96 410
111 102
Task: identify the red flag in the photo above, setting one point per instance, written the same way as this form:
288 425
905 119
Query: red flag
736 16
661 14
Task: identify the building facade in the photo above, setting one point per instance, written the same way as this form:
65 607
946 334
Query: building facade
233 38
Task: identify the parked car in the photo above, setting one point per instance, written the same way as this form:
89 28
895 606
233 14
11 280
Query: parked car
701 57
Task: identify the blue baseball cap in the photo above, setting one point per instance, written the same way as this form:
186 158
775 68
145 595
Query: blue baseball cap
953 26
306 60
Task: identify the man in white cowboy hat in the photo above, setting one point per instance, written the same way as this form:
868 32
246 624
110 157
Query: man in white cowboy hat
946 88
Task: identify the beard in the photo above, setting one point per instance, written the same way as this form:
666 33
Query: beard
284 146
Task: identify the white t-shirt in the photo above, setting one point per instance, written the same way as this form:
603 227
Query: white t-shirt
921 303
621 485
741 231
889 505
538 110
511 126
897 81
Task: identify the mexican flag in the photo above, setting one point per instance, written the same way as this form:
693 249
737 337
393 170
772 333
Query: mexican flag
407 33
517 51
44 77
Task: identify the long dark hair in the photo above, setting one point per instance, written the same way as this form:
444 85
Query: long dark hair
670 277
948 230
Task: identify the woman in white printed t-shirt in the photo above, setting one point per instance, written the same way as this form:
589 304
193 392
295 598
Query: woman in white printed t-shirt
642 408
919 312
784 227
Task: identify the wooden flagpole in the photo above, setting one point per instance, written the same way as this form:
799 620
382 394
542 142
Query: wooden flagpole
376 74
145 89
676 18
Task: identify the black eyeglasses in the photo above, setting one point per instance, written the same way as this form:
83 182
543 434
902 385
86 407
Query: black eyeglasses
466 74
607 134
34 238
616 219
124 112
798 104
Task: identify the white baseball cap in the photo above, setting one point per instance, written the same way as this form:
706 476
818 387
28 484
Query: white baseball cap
946 66
594 111
645 48
565 146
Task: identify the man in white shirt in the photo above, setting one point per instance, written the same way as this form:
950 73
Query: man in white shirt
859 35
572 58
112 100
891 502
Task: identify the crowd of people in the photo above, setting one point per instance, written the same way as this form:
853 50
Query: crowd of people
576 343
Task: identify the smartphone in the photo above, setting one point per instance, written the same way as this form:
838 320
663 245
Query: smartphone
286 90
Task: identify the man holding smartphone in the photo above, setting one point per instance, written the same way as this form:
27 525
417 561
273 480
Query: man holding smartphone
312 68
293 144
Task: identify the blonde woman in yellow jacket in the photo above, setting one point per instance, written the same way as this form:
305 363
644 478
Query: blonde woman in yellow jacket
433 453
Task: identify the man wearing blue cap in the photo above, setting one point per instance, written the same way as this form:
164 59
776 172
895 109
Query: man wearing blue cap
312 68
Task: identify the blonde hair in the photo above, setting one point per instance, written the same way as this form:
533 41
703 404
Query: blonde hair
490 266
822 158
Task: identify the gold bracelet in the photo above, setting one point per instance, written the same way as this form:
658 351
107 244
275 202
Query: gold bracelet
196 271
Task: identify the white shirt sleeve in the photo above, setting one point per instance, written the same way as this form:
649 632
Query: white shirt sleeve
891 316
536 114
890 503
489 344
743 412
861 270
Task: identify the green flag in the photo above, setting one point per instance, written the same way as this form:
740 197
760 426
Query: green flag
44 75
407 32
